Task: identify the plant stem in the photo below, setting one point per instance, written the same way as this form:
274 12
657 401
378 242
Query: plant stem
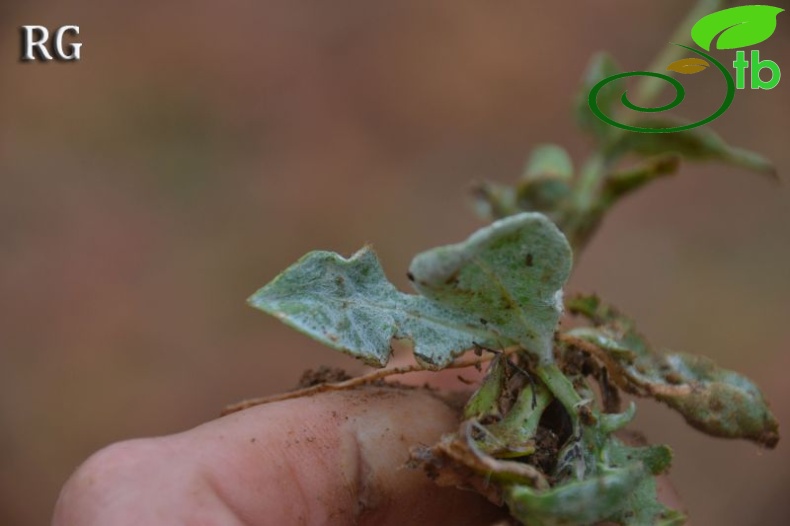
648 88
562 389
373 376
599 163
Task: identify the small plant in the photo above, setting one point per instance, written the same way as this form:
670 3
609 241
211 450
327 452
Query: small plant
539 434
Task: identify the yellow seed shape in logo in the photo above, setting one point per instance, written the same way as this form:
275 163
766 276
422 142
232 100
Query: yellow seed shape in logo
688 66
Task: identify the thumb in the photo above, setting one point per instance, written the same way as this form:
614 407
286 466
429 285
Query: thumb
334 458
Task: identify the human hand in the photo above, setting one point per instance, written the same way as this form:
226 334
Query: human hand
335 458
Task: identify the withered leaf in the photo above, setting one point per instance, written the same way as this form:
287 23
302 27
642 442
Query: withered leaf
714 400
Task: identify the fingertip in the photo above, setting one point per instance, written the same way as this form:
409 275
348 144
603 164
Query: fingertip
140 481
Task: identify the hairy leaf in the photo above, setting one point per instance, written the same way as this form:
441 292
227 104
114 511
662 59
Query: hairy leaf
501 286
718 401
514 435
579 502
714 400
601 66
509 274
459 454
494 201
545 183
642 506
699 144
485 401
620 183
549 161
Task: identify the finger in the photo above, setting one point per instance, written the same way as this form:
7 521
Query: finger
335 458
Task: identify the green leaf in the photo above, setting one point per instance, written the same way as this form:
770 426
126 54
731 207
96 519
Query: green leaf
655 458
611 422
457 459
510 274
514 435
716 401
545 183
699 144
641 506
485 401
549 161
601 66
618 184
349 305
738 26
501 286
494 201
623 339
579 502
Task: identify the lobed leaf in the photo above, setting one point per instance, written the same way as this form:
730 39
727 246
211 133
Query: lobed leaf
509 274
501 286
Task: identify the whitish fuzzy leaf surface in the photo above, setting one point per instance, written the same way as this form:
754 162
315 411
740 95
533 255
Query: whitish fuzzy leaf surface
579 502
501 286
494 201
600 67
549 161
699 144
620 183
509 274
714 400
641 506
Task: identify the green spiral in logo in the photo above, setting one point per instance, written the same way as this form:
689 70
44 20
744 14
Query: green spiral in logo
680 94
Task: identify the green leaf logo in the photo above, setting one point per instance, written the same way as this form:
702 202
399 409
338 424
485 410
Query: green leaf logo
736 27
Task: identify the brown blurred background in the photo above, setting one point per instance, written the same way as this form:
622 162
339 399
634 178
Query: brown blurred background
198 149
